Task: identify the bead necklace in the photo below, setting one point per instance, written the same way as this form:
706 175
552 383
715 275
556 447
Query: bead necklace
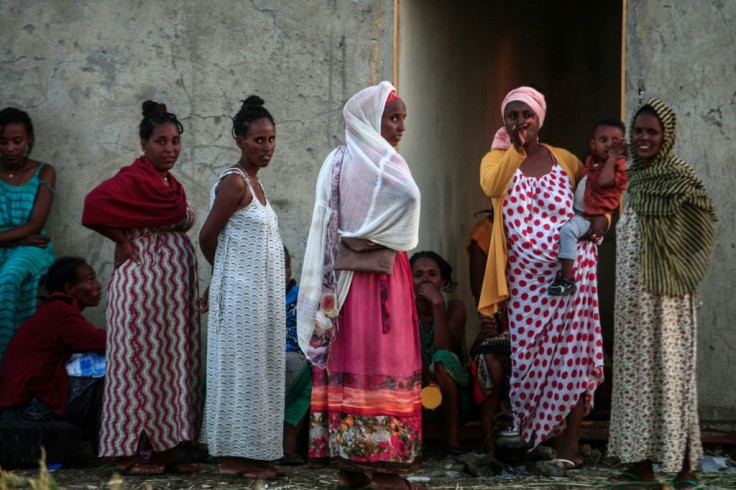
16 172
258 181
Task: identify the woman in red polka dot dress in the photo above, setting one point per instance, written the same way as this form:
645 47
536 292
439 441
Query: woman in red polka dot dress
556 341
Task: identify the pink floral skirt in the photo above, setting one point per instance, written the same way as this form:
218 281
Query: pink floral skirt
366 412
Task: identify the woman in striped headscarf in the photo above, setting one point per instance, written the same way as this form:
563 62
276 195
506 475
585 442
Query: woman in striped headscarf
665 237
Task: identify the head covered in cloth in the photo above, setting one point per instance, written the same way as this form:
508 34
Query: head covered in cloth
365 190
667 119
531 97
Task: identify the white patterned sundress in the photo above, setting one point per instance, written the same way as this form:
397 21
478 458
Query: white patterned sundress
654 407
246 332
556 341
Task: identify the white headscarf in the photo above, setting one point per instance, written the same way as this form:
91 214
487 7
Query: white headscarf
379 201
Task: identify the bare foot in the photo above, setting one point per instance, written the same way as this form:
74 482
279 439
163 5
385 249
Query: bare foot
352 479
390 481
246 468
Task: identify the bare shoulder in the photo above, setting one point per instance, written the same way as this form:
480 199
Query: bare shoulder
232 182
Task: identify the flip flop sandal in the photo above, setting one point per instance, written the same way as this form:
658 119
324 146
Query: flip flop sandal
568 464
693 484
633 481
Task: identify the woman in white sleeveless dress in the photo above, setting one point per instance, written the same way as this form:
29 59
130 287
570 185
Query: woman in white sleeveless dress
246 331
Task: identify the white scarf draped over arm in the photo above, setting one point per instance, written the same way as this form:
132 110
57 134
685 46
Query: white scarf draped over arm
379 201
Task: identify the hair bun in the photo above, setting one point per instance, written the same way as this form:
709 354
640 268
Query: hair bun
253 101
151 107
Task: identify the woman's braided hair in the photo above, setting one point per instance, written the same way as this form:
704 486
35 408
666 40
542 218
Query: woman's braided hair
250 111
154 114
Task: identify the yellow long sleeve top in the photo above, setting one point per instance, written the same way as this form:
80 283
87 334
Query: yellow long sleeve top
496 170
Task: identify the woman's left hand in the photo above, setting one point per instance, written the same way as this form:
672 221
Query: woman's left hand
598 228
34 241
430 294
124 250
203 303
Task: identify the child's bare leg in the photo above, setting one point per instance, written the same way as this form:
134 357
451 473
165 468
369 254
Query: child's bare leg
566 268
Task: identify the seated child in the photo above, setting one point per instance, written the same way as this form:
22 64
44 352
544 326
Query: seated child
603 180
34 382
298 375
442 334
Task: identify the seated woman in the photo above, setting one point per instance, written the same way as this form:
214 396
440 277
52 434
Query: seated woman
442 332
491 348
298 375
26 192
34 383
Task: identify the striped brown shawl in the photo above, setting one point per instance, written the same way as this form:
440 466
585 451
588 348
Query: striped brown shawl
675 215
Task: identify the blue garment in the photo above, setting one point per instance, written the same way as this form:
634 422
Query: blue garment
292 292
21 268
570 232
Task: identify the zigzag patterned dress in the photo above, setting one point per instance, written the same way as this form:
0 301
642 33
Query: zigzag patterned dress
152 383
246 332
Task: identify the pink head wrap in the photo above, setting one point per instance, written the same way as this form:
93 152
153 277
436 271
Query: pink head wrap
392 96
533 98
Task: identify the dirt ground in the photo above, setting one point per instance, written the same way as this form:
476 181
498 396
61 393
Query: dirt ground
438 472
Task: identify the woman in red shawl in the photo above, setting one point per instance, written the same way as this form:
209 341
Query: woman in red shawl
152 384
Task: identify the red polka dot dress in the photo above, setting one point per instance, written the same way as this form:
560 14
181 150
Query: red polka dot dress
556 341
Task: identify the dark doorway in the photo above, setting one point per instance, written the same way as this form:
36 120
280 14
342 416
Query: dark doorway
457 60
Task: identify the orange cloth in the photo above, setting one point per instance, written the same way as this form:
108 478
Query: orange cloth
481 234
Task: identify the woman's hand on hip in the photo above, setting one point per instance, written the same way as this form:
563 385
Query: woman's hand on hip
123 251
203 302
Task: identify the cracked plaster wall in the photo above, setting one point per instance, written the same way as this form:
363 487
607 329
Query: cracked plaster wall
82 70
684 53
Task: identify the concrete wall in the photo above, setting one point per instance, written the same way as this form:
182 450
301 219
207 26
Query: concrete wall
683 53
82 69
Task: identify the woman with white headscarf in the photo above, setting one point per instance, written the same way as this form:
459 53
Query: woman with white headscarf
556 342
359 329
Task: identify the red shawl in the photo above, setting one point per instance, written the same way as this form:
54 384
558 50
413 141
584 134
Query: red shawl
136 197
